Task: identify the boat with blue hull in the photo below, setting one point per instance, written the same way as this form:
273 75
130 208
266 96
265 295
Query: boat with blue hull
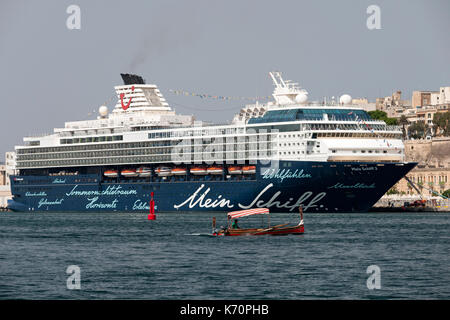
328 187
327 157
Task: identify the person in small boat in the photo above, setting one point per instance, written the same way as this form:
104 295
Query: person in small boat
235 224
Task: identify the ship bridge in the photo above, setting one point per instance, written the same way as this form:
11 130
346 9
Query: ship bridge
312 113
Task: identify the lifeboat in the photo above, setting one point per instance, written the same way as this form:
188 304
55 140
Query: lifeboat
179 171
215 170
129 173
163 171
249 170
234 170
110 173
198 171
144 172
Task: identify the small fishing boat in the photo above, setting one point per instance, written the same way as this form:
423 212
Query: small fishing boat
179 171
249 170
144 172
111 173
234 170
198 171
163 171
215 170
281 229
129 173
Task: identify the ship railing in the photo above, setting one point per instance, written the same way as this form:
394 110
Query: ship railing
393 128
38 135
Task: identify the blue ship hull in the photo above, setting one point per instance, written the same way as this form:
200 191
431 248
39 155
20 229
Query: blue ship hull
318 186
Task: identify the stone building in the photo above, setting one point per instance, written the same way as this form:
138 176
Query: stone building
432 174
393 105
364 103
5 192
421 98
10 165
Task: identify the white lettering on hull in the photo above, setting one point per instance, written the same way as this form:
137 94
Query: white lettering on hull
282 174
46 202
94 204
110 191
203 202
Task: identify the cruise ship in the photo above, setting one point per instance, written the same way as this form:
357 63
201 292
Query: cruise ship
327 157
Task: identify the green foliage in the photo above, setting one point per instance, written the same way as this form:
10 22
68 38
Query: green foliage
403 121
446 193
381 115
377 115
391 121
418 130
392 191
442 123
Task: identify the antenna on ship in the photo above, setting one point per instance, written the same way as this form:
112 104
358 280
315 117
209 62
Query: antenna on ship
287 92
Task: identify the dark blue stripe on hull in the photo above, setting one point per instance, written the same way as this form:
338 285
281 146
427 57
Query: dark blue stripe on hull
319 187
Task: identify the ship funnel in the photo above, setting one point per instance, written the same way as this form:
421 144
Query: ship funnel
129 79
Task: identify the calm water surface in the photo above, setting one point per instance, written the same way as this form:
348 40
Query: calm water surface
125 256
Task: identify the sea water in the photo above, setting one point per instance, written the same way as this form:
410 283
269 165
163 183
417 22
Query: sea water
126 256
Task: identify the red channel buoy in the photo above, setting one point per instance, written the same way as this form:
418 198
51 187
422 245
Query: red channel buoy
152 215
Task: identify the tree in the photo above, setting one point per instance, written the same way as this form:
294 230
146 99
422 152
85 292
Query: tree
441 123
381 115
391 121
393 190
446 193
418 130
403 121
378 115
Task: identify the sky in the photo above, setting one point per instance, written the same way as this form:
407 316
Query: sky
51 74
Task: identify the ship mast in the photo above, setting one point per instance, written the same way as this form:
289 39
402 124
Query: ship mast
287 92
